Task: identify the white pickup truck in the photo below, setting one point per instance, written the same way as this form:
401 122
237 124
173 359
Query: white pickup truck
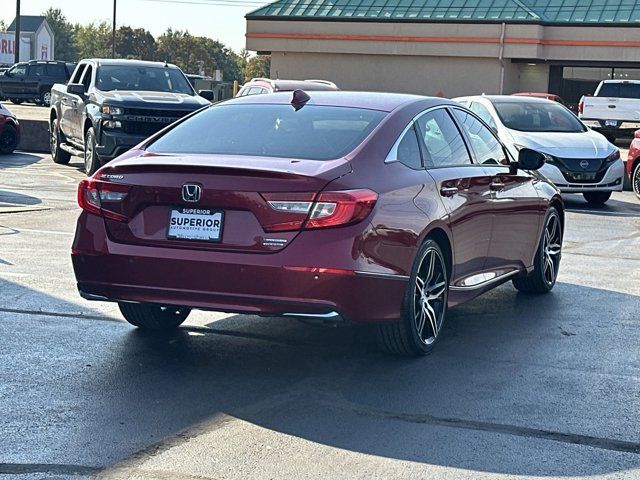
614 108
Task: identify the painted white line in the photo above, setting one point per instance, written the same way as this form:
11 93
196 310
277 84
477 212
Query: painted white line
30 230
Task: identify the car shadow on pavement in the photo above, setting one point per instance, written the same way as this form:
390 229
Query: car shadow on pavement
18 160
613 207
10 199
518 386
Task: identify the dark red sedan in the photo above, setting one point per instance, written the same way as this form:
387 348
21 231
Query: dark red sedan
328 206
633 163
9 131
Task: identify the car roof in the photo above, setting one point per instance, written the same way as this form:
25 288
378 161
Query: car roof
507 98
370 100
123 61
290 85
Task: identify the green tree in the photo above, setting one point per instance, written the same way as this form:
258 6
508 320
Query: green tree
258 66
65 48
93 40
135 43
193 53
3 26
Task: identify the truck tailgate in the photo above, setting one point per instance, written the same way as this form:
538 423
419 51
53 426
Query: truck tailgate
610 108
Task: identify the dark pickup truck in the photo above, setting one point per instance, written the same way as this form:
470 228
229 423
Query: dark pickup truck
110 106
32 81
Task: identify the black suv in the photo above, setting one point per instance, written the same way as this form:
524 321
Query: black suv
32 81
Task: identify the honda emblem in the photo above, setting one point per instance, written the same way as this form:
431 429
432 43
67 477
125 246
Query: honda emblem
191 192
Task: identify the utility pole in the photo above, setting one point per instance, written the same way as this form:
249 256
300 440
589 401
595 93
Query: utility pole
16 48
113 31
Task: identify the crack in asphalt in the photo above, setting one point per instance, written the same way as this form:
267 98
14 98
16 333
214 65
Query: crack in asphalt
45 313
466 424
48 468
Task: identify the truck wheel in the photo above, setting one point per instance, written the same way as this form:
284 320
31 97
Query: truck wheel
597 198
153 317
8 139
16 101
59 156
91 159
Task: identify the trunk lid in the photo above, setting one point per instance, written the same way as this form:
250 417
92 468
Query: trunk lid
234 189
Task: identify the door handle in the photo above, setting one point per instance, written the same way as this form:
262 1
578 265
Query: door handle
449 191
496 185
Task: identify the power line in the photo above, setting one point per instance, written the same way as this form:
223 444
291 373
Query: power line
221 3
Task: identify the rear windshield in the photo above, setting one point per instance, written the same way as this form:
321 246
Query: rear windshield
620 90
538 117
139 78
264 130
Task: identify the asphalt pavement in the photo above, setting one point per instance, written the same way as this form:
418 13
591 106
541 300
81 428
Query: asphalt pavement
519 387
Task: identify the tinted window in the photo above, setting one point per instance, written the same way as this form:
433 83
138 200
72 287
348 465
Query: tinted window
620 90
78 73
86 79
142 78
36 70
538 117
483 113
18 70
485 145
56 70
408 150
443 145
314 132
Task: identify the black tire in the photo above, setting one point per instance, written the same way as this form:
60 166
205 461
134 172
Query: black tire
153 317
55 139
16 101
543 277
597 198
91 159
635 180
406 337
8 139
44 98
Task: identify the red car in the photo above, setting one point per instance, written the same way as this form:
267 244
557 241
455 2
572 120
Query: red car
633 163
328 206
9 131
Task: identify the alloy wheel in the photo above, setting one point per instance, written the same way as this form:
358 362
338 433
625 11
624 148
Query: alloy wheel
88 154
46 99
635 181
430 296
552 248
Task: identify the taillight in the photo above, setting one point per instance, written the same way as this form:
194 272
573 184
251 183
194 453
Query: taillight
100 198
329 209
333 209
580 107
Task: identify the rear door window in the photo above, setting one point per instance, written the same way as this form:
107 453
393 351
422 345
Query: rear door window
442 143
56 70
36 70
77 75
408 150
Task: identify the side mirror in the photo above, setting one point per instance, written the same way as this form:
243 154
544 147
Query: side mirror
206 94
530 159
75 88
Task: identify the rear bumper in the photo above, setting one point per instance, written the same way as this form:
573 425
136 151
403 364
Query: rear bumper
262 284
621 130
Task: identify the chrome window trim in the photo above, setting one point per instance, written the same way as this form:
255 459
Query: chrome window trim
392 156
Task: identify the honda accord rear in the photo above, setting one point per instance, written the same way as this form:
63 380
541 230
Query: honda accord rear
284 205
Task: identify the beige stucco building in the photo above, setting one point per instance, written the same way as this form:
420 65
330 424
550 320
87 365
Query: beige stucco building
432 47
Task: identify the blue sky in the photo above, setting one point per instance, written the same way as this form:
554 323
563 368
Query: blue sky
221 22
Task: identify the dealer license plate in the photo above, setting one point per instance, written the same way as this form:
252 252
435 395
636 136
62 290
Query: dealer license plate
195 224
